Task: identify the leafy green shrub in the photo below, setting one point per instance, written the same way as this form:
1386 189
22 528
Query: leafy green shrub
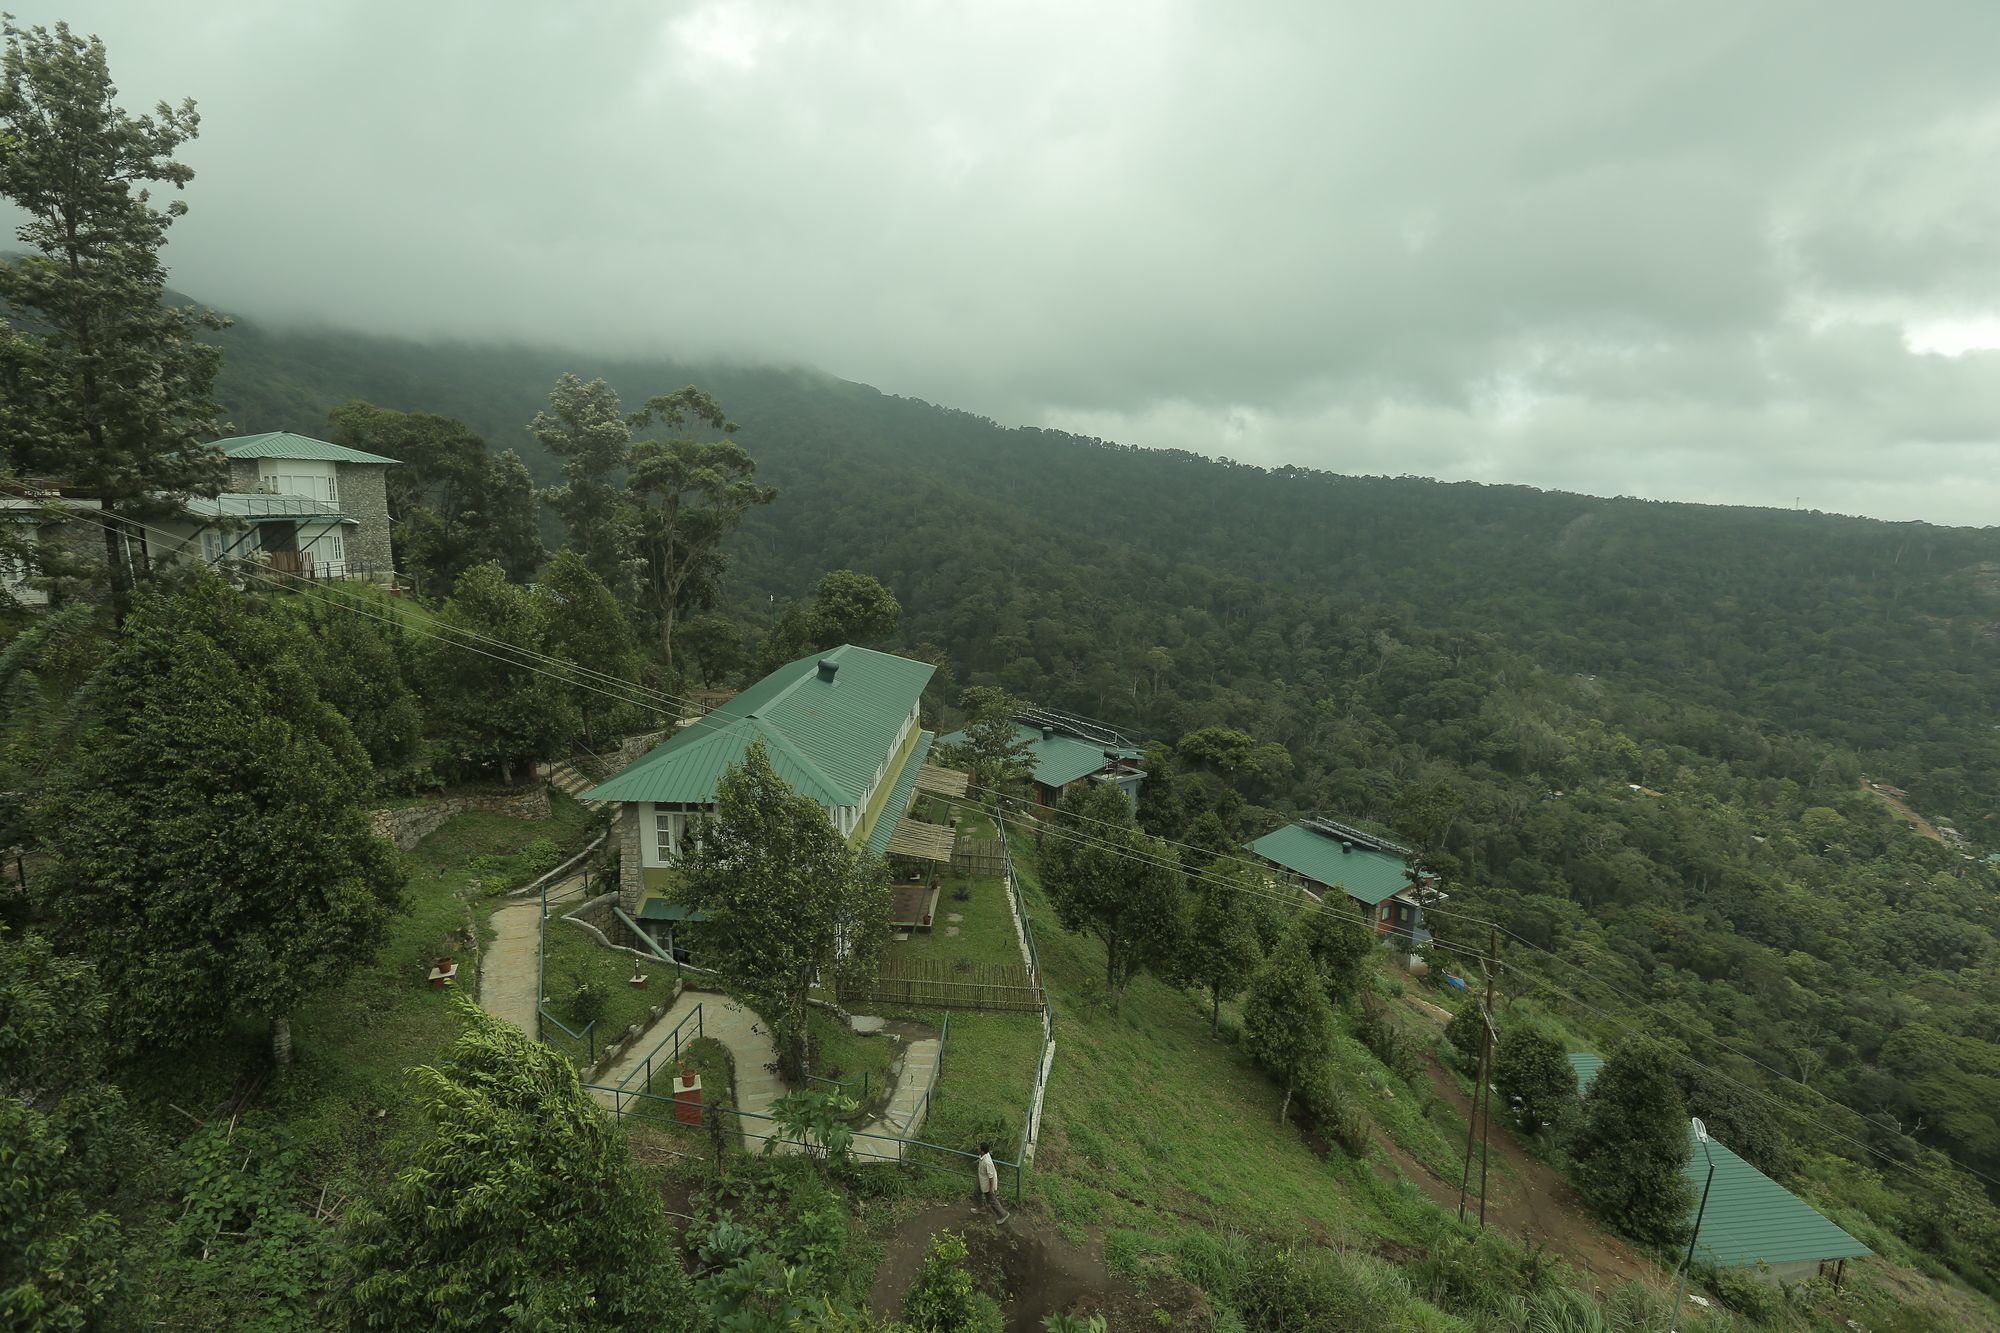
1479 1272
943 1299
1533 1074
588 1000
1749 1295
1387 1042
540 856
1332 1113
1295 1291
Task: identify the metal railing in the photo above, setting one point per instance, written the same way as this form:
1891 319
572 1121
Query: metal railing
868 1148
937 1067
646 1066
1044 1055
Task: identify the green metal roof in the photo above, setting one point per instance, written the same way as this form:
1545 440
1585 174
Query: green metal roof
899 795
826 736
1750 1217
659 909
1361 873
284 444
1059 758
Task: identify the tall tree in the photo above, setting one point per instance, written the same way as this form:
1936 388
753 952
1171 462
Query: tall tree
518 1209
1106 877
208 846
67 1145
688 493
1222 948
452 505
1631 1144
488 695
584 624
358 669
852 608
1001 757
789 901
117 386
1287 1023
586 429
1340 943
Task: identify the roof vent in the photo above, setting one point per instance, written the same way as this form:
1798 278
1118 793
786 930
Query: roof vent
1345 846
827 666
1048 733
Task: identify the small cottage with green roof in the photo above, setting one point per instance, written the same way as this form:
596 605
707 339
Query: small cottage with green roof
1066 750
1324 856
841 727
1751 1221
293 503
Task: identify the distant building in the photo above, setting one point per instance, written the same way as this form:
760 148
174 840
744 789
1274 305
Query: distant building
1325 856
292 504
1751 1219
1067 750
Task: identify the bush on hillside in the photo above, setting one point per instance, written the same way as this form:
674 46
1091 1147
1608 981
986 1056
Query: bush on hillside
1631 1144
1333 1115
1532 1072
1395 1048
943 1299
1307 1291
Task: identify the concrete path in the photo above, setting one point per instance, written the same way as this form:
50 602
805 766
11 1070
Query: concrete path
507 967
904 1115
736 1027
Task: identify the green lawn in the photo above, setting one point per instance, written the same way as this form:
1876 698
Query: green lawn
846 1056
986 935
569 956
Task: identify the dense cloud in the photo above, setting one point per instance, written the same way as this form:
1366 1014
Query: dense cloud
1677 250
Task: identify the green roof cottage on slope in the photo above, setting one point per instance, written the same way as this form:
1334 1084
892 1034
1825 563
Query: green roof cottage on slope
841 727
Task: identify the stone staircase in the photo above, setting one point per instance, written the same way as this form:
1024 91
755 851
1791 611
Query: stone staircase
908 1105
572 781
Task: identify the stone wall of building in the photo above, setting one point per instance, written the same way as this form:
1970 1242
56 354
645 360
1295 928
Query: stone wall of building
364 497
631 865
243 476
409 825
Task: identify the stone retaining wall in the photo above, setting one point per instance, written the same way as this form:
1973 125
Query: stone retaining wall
410 825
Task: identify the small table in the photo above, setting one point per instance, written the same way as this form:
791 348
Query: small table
444 974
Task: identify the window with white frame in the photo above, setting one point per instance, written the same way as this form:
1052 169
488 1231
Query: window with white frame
211 545
676 828
309 478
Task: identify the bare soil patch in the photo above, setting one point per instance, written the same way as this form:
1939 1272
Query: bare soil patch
1525 1197
1024 1264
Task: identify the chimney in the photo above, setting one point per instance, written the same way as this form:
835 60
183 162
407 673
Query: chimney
827 666
1345 846
1048 733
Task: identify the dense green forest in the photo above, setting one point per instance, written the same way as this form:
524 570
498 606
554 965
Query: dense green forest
1634 733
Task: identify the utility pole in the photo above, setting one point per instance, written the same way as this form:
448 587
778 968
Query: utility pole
1480 1096
1486 1041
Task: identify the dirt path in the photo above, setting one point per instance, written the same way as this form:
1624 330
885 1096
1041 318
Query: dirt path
1525 1197
1040 1273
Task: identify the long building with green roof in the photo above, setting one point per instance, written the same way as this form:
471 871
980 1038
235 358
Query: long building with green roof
841 727
1323 857
1750 1219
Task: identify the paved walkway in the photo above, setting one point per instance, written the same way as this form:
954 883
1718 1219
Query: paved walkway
904 1115
507 967
748 1040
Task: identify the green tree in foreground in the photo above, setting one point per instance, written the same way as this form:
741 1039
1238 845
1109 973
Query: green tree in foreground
1631 1144
1466 1031
789 902
63 1144
109 385
1287 1023
519 1209
208 848
1532 1073
491 704
359 671
586 428
943 1299
1222 948
1106 877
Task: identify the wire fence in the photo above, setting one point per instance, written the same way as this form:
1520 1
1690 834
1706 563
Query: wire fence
1045 1058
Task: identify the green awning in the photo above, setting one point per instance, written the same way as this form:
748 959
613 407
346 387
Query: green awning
659 909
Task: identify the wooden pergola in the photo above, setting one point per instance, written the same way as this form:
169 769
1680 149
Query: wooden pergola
942 781
921 841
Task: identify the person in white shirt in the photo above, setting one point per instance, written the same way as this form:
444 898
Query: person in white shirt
989 1181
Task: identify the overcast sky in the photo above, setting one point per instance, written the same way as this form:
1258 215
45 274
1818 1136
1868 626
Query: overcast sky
1744 252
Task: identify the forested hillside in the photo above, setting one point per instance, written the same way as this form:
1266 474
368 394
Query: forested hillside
1634 733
